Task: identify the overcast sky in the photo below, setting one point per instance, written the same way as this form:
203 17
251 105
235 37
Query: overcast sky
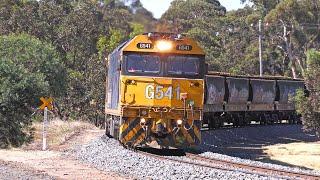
158 7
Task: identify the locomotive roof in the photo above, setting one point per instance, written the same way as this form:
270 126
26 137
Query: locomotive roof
252 77
150 43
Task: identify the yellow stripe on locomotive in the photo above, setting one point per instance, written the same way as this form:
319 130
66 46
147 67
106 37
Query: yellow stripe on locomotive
155 91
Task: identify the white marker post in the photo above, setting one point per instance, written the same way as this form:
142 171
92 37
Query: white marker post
44 130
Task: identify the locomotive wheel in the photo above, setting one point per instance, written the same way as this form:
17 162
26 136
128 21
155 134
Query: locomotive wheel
262 120
217 122
220 122
114 126
107 124
291 119
299 120
242 120
236 123
212 123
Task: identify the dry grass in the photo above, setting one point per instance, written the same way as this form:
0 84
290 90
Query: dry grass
300 154
58 132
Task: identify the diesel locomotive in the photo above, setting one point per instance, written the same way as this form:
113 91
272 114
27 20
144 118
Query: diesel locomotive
155 91
159 94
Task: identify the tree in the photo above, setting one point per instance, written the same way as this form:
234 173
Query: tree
79 30
309 106
197 18
263 6
29 69
239 41
300 21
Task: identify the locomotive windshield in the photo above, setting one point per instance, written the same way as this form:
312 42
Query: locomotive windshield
143 63
164 65
179 65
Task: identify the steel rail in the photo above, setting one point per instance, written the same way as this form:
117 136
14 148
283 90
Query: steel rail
207 165
266 171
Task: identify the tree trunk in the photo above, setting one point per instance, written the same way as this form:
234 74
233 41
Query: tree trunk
301 66
287 40
292 60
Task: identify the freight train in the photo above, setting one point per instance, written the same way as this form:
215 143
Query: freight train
159 94
242 99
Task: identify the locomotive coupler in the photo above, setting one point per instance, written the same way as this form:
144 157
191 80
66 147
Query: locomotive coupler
160 130
145 126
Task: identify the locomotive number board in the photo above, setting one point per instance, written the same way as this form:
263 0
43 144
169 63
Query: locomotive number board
184 47
145 46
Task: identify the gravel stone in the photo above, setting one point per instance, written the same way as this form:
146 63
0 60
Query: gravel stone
107 154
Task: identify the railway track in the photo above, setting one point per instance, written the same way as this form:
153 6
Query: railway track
253 168
197 160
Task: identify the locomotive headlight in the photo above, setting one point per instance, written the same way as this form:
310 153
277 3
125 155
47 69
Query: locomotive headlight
179 122
142 121
164 45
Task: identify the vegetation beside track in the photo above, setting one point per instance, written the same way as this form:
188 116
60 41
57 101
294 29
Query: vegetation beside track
58 133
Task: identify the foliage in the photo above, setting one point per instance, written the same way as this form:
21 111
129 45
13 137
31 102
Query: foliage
79 30
231 39
29 69
299 23
83 33
309 106
136 29
198 22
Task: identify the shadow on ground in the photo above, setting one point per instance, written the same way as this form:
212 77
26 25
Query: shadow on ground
248 142
163 152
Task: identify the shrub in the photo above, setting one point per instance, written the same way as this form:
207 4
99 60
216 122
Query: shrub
309 107
29 69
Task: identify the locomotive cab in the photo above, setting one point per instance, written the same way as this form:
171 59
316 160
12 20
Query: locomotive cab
155 91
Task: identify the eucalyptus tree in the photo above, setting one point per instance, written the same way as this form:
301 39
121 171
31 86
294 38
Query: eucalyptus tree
196 18
300 21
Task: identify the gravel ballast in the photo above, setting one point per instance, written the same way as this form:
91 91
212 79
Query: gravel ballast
107 154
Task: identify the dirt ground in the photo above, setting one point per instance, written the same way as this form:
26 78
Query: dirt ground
299 154
53 163
280 144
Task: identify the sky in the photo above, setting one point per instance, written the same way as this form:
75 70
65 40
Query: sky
158 8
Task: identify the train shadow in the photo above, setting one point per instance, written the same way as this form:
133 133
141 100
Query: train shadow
163 152
250 142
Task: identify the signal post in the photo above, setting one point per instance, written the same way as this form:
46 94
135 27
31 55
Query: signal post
46 105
